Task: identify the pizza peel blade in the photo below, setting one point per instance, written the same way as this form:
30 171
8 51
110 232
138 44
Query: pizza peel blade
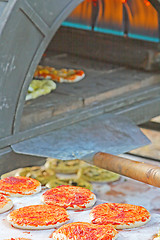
108 133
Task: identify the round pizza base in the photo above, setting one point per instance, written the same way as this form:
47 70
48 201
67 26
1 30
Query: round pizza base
19 186
21 238
38 217
69 197
86 230
120 215
5 204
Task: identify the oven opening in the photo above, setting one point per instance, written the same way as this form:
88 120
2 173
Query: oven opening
115 44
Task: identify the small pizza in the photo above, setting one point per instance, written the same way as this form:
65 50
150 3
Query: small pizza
85 231
63 166
21 238
69 197
96 174
38 217
61 75
120 215
5 203
19 186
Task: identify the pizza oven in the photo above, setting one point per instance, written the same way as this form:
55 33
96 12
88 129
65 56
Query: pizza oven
116 43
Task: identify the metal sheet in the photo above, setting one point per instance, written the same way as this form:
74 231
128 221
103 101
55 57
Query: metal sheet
108 133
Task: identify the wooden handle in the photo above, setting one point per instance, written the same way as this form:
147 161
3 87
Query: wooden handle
140 171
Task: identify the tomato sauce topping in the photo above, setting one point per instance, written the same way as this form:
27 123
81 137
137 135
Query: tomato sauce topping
38 215
20 185
118 214
3 200
18 238
86 231
45 72
68 196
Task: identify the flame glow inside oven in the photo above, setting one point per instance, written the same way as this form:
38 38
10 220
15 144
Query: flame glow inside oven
134 18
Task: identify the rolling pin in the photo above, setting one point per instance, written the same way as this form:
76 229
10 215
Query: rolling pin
140 171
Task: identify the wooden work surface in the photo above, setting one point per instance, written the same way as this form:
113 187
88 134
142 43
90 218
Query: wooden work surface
103 82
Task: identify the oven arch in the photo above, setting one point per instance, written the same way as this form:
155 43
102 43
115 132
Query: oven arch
25 32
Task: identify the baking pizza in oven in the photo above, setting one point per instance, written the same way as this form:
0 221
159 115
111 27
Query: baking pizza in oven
61 75
19 186
5 203
120 215
84 231
69 197
38 217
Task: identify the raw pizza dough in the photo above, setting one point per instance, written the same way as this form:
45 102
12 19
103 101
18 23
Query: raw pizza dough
19 186
69 197
120 215
38 217
85 231
5 203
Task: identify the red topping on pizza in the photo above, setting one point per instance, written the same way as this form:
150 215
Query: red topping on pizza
18 238
38 216
85 231
3 200
5 203
69 197
118 214
18 185
62 75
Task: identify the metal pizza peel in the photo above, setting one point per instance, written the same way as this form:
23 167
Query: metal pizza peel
108 133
